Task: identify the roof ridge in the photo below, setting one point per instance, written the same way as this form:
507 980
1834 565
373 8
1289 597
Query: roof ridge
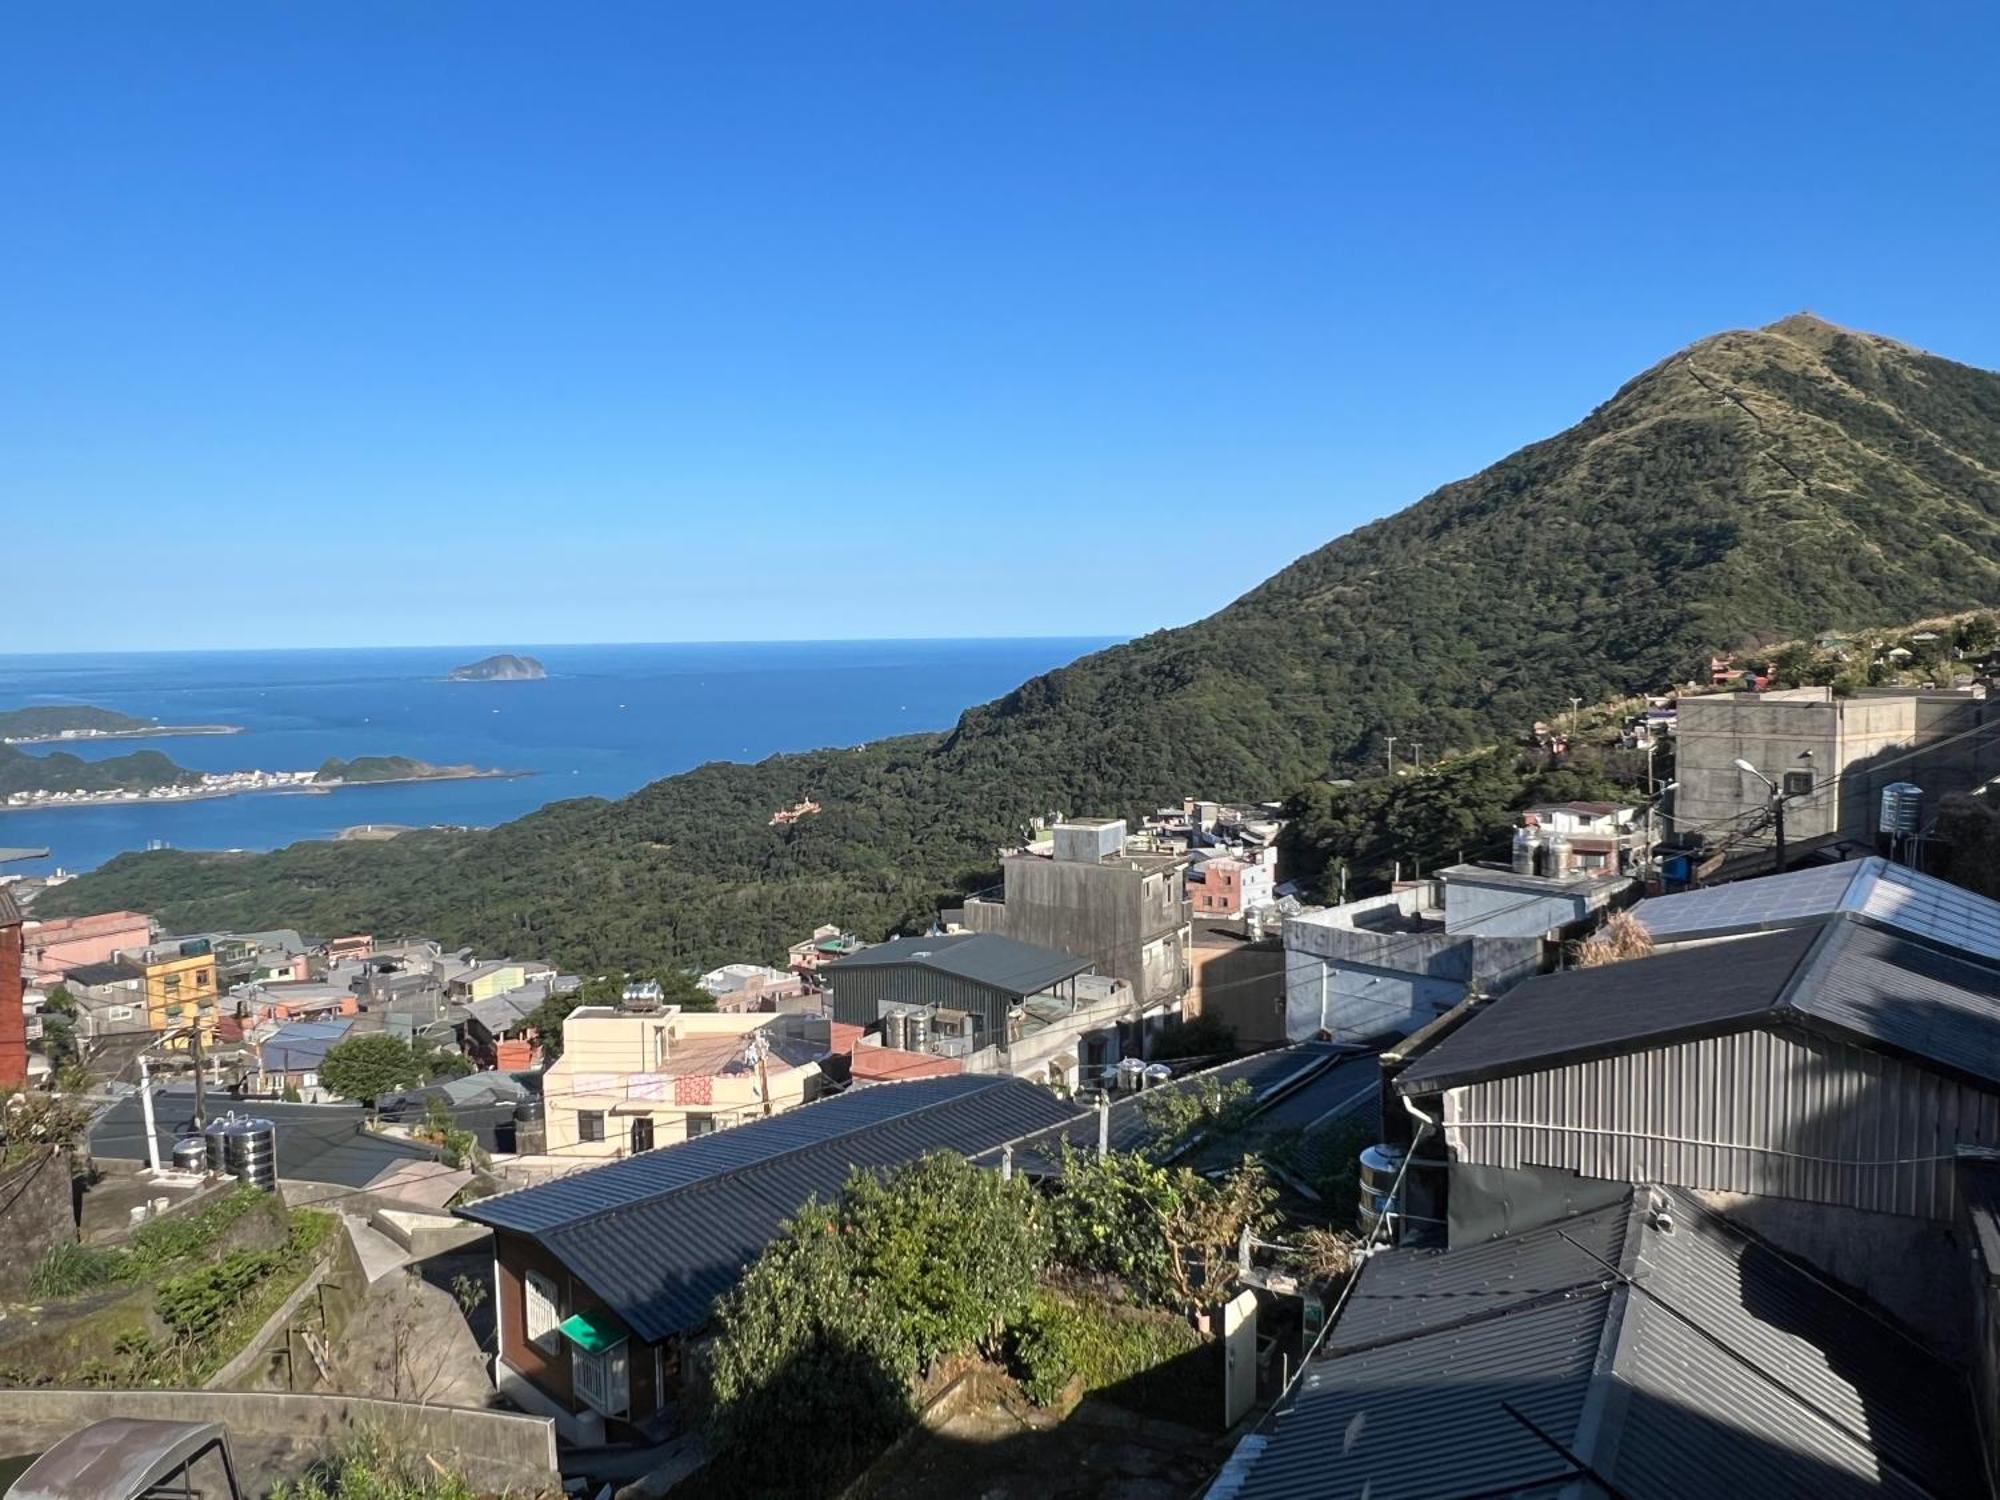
982 1080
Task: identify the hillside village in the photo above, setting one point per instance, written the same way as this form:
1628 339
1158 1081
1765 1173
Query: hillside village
1183 1140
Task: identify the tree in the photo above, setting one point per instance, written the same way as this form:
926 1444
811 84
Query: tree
367 1067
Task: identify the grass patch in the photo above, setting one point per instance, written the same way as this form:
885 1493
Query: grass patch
1064 1337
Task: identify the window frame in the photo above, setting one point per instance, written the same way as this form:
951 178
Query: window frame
590 1126
549 1339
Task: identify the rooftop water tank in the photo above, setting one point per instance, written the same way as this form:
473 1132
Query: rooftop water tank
893 1030
917 1031
1902 809
1381 1213
1558 857
250 1153
1527 843
191 1154
212 1137
1131 1075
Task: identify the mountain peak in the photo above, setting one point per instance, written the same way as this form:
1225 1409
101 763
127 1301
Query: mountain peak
1805 324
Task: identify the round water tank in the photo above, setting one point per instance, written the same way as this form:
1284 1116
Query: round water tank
917 1031
191 1154
1380 1217
1157 1074
250 1153
212 1137
893 1030
1131 1075
1902 809
1526 845
528 1110
1558 856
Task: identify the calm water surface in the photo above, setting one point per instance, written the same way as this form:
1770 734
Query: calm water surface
607 720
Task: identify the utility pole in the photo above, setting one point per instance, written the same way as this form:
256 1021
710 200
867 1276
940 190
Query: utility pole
1417 755
146 1113
1776 804
1574 705
200 1083
1392 755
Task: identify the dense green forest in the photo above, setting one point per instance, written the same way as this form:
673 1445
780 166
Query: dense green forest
389 768
1757 487
61 772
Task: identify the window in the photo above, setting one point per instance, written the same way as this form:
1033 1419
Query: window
1798 783
118 1013
700 1125
601 1378
590 1124
544 1316
642 1134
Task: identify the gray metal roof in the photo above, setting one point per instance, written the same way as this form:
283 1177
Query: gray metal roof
1659 1357
1840 974
1302 1086
660 1235
1893 895
987 958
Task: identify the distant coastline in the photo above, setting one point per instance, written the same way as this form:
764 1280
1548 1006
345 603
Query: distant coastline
238 784
151 732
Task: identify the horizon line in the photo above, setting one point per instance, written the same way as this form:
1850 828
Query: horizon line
832 640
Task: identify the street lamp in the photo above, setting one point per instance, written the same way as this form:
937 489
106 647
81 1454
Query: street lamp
1777 805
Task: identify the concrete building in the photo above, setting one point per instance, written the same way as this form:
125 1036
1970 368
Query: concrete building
751 987
1393 963
53 948
1228 886
178 981
1239 981
629 1080
1830 756
1085 893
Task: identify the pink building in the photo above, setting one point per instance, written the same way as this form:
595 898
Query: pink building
55 947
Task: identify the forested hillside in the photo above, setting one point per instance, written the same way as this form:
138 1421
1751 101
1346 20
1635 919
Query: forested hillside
1757 486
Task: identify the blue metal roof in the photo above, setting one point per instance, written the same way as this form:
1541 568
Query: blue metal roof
660 1235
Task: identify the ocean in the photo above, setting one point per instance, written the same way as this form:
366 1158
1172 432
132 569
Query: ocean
606 720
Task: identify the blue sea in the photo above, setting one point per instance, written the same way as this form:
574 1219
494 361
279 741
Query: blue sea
607 720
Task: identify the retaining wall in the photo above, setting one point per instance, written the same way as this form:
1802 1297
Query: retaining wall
493 1449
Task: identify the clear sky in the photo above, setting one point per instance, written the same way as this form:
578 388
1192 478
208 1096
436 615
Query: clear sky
429 321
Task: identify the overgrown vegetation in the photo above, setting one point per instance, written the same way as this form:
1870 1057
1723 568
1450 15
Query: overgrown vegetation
31 1124
677 987
1064 1338
1759 487
367 1067
194 1286
369 1468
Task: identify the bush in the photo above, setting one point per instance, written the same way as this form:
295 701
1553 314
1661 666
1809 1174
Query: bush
1061 1338
833 1322
367 1067
368 1468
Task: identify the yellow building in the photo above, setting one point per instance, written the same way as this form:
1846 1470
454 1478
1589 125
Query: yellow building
179 984
631 1080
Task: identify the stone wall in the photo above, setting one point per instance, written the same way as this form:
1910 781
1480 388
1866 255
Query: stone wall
37 1213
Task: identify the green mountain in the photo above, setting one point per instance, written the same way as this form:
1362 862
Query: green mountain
46 720
1757 486
58 771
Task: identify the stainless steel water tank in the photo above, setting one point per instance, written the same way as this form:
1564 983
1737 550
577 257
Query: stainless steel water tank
893 1030
191 1154
1380 1216
1527 843
212 1138
250 1153
917 1031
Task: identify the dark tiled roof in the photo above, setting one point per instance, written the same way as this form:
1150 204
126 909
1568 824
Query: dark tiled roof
1842 975
1664 1360
660 1235
1000 963
112 973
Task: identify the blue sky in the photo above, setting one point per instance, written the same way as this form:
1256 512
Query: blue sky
340 322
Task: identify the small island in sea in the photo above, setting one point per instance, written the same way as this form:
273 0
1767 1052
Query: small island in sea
378 768
502 668
48 723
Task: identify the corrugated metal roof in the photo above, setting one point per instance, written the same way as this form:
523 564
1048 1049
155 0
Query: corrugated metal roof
1588 1012
988 958
1841 975
1904 899
1666 1358
660 1235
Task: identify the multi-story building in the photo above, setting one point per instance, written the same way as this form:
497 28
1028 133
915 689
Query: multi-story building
1228 885
1390 964
1085 893
55 947
1829 757
178 983
751 987
631 1078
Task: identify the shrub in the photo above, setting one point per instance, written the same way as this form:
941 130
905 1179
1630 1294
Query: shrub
367 1067
368 1468
1060 1338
